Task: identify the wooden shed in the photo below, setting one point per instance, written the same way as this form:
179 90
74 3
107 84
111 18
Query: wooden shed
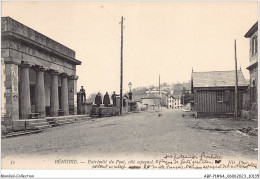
214 92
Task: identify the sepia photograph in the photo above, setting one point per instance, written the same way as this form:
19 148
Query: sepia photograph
131 86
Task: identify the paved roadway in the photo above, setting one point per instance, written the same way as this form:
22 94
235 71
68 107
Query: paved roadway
138 133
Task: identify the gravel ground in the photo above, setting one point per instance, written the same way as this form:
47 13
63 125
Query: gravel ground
142 133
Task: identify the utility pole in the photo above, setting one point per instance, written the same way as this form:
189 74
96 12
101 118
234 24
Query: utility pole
121 67
235 112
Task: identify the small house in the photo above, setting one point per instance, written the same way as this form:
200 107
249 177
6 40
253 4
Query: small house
214 92
152 102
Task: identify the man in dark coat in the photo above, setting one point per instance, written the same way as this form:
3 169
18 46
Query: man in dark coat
98 100
114 98
83 95
106 100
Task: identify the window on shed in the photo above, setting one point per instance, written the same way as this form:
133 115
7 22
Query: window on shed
220 96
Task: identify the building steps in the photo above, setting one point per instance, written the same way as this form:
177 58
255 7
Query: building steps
41 124
37 124
52 122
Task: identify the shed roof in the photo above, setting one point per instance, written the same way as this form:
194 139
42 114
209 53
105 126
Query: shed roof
217 79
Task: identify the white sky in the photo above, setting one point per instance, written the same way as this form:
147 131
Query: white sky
166 38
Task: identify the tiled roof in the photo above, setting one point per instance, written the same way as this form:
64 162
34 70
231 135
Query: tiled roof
151 97
217 79
176 96
151 101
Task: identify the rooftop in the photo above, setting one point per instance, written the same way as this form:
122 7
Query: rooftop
15 29
252 30
217 79
176 96
151 97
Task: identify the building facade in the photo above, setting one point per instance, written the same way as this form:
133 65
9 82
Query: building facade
252 34
38 74
170 102
178 90
174 102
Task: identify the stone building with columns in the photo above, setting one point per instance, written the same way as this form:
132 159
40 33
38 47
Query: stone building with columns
38 75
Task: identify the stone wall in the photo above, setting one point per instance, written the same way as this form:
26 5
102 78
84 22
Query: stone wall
72 87
11 98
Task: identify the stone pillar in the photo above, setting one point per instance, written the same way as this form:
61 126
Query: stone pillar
64 94
73 94
9 89
40 93
25 101
54 94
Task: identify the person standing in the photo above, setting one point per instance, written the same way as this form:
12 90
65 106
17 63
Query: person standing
83 95
114 98
98 100
106 100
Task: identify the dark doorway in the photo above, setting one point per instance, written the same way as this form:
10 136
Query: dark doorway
59 92
253 92
32 98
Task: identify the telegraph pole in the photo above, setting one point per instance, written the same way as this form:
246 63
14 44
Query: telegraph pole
236 96
121 67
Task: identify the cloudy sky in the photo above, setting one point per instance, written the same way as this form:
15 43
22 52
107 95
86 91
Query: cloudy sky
166 38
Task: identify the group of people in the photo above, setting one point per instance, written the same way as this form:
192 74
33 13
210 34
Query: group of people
106 99
98 98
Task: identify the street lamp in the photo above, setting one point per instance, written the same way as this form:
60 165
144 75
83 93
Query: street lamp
130 93
130 84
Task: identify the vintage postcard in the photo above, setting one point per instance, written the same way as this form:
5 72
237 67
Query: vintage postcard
130 86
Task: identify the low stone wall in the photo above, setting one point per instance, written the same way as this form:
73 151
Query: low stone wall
108 111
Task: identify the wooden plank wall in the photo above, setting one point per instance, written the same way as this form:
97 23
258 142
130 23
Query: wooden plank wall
206 101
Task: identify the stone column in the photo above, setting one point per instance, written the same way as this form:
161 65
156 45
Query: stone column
25 101
9 90
40 92
64 94
73 94
54 94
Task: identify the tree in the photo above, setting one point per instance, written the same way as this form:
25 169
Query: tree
185 97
